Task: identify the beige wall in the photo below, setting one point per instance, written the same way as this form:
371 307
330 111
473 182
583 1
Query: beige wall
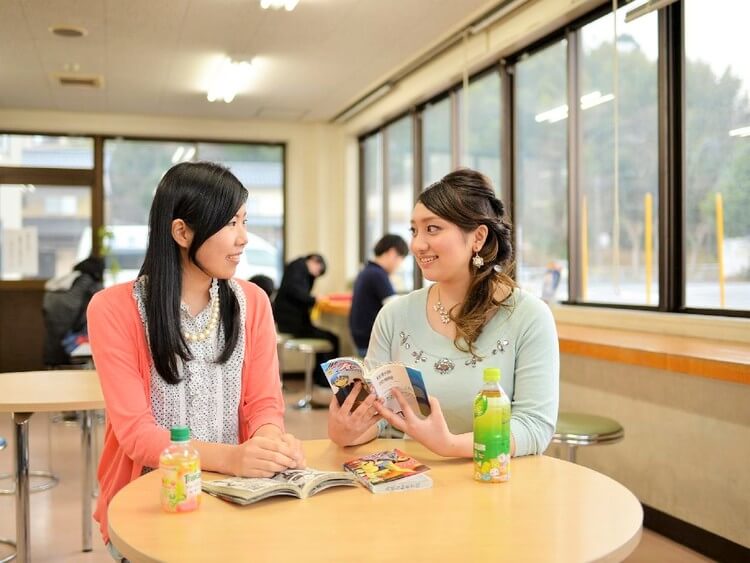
687 439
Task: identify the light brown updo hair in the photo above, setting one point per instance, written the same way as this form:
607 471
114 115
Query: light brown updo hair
466 199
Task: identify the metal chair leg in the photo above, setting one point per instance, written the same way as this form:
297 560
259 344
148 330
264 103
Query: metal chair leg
306 402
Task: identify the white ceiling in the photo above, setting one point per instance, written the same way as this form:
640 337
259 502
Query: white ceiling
155 55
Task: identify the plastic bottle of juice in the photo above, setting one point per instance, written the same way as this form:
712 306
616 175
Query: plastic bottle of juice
491 431
180 468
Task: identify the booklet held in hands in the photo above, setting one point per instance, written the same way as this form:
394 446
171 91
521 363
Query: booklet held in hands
343 373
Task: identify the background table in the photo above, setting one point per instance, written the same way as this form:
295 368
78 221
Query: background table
550 510
27 392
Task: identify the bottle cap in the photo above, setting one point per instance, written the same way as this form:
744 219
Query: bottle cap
492 375
179 434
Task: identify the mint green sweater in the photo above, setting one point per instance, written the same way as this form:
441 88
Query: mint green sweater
520 339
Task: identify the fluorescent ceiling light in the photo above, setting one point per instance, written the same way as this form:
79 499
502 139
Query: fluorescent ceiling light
288 5
588 101
647 8
229 78
740 132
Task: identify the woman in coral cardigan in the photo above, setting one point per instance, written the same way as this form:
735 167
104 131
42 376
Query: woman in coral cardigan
186 344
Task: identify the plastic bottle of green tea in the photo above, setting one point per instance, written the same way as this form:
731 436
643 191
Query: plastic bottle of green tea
180 468
491 431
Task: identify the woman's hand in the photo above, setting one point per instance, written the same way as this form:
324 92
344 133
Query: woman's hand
266 453
347 427
432 432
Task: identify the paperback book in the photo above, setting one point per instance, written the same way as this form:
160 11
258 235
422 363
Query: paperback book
389 471
300 483
343 373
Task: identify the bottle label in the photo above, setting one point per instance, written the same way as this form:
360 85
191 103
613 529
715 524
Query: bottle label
491 439
181 486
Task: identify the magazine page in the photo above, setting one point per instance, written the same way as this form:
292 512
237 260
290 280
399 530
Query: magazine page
247 489
342 374
389 376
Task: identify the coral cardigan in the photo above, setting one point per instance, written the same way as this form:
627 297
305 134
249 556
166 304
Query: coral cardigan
121 354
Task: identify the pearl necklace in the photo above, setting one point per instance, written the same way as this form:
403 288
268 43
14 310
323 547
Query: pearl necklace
213 320
445 318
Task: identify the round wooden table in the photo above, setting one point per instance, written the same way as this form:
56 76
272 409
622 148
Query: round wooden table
27 392
551 510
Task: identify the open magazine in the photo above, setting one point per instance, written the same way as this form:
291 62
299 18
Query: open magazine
389 471
343 373
300 483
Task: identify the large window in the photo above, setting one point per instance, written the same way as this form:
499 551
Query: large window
132 170
41 228
601 200
541 224
479 138
717 155
619 160
45 203
400 190
437 133
45 151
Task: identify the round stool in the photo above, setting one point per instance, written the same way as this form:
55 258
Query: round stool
578 429
281 339
4 541
309 347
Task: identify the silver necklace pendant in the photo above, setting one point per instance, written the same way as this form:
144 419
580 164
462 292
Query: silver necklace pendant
500 346
444 316
444 366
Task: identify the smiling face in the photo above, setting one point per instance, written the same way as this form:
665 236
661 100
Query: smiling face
220 254
442 250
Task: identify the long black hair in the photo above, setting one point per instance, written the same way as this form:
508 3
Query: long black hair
205 196
466 199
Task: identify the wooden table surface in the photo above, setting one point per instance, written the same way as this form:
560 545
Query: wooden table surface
551 510
45 391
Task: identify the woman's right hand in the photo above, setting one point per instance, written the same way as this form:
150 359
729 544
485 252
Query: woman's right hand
347 427
262 456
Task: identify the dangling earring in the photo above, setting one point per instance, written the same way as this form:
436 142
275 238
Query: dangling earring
477 261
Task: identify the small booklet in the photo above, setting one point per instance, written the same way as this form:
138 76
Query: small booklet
343 373
300 483
389 471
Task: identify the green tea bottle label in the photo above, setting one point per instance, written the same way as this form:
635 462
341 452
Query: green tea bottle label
491 431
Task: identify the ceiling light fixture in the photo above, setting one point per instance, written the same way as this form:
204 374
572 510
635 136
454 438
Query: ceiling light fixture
228 79
740 132
288 5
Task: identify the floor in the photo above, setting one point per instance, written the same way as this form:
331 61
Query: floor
56 513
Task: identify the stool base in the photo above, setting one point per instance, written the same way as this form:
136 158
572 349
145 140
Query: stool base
51 481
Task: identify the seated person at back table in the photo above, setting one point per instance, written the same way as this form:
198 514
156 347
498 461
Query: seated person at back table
293 304
473 317
186 344
373 286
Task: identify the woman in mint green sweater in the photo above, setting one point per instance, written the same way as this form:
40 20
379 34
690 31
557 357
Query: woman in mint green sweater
471 318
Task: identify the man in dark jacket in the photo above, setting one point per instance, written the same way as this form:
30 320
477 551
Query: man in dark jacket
293 303
64 307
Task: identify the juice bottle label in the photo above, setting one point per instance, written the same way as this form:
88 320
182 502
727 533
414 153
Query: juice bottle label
181 486
491 439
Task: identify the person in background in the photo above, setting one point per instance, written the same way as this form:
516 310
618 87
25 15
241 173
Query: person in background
186 344
64 307
293 305
373 286
265 283
471 318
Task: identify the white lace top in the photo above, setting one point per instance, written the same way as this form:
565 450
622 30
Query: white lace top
207 398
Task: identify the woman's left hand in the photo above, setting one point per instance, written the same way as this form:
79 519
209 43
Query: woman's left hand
432 432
